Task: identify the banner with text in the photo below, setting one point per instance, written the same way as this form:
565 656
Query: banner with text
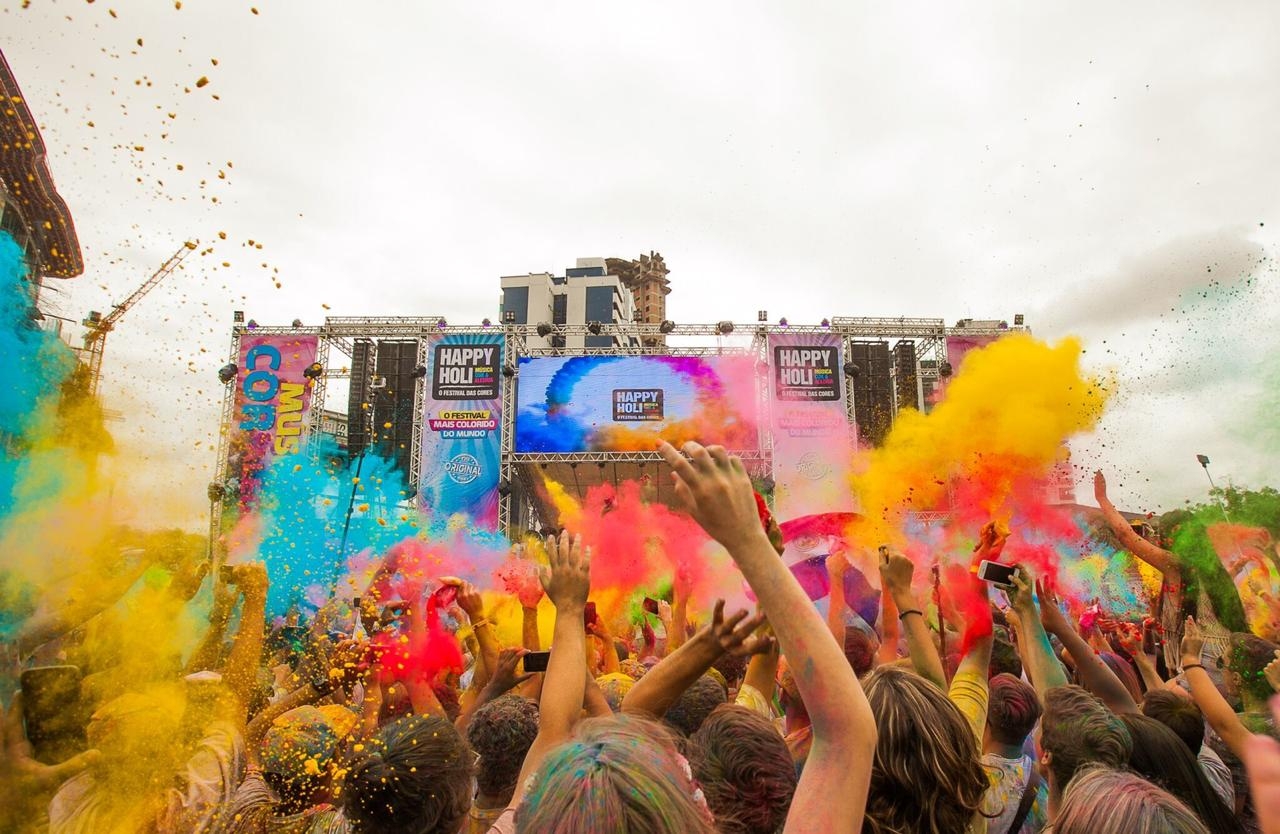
462 427
272 408
629 403
812 453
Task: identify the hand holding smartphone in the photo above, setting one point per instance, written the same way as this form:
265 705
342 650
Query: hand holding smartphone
997 574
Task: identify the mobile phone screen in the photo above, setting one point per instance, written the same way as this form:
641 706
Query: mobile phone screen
53 716
536 661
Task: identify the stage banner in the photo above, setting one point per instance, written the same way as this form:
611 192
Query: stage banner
272 407
461 427
812 451
630 403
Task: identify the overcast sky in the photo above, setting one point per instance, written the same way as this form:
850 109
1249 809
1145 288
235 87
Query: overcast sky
1110 170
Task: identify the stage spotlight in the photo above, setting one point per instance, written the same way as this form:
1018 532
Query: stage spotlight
420 372
441 324
509 317
251 324
762 315
1019 319
508 371
593 327
237 316
944 370
216 491
852 370
313 371
544 329
297 322
504 488
667 326
826 322
725 328
227 372
485 322
782 322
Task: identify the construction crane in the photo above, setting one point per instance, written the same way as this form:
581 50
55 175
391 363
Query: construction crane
95 338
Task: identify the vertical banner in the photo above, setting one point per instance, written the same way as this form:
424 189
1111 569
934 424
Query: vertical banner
461 427
273 403
812 453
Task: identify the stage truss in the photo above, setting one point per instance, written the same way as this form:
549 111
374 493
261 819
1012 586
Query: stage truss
524 340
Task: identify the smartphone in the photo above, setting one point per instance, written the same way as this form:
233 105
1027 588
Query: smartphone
52 714
651 605
536 661
996 573
226 574
589 615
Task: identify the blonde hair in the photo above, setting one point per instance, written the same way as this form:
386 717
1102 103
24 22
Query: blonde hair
621 775
1102 801
927 775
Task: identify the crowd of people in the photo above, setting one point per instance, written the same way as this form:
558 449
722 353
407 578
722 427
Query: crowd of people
775 720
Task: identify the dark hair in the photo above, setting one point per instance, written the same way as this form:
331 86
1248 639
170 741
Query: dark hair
1124 671
732 667
744 769
1078 730
859 650
501 732
1179 713
1160 756
1248 656
695 704
927 773
1004 658
1013 710
413 777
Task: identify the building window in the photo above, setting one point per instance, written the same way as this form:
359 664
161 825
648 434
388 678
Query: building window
559 309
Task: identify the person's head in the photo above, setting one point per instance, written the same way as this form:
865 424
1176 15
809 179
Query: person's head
614 687
733 668
500 733
618 774
1246 658
859 650
1177 712
135 735
1078 730
300 752
695 704
1004 658
413 777
927 773
1012 712
1163 759
745 770
1123 670
1102 801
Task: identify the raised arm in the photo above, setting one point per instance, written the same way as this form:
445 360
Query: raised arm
832 794
663 685
896 571
1033 644
837 564
241 672
1154 555
567 581
1221 717
1095 675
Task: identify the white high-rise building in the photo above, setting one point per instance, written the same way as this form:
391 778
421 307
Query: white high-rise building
586 294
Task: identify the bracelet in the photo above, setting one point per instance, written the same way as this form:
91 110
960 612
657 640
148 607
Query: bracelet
483 621
904 614
1193 666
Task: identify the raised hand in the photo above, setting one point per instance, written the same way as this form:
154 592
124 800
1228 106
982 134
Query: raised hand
1099 486
1192 647
469 599
1022 595
714 487
504 677
896 572
567 579
1051 616
737 634
1272 673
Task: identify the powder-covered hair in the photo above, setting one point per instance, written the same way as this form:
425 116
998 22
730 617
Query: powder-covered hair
1162 758
501 732
1078 730
1102 801
695 704
859 649
621 775
413 777
1247 656
1013 710
927 775
745 770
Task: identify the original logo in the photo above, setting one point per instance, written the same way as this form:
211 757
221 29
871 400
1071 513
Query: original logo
463 468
